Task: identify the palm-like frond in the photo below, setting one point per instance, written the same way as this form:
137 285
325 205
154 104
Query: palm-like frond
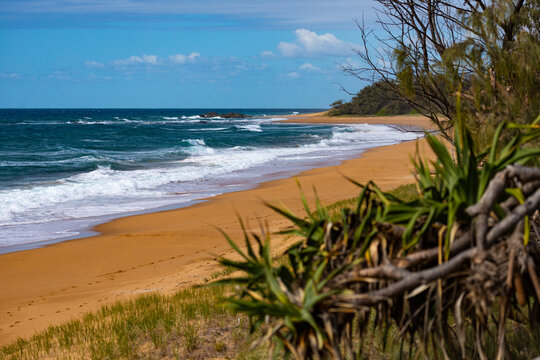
423 265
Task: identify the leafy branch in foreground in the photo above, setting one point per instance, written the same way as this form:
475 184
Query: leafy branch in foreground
451 270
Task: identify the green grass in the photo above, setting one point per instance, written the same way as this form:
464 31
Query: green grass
407 192
192 323
381 113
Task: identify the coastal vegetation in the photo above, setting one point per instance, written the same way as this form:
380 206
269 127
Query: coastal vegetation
376 99
192 323
455 272
451 271
426 54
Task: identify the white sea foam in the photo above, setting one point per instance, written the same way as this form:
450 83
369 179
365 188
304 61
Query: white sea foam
164 120
99 122
198 147
209 129
105 191
249 127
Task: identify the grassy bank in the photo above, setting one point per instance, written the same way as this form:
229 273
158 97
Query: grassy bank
193 323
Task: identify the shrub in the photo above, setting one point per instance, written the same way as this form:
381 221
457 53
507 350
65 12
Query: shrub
447 271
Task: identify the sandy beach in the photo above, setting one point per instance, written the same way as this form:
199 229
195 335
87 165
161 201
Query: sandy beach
171 249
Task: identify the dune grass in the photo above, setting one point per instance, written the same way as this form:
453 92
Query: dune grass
193 323
406 192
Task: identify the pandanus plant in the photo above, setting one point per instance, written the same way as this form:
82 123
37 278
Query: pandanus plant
447 270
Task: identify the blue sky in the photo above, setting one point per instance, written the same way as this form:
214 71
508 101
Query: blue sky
165 53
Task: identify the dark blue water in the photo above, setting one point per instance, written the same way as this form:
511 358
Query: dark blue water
62 170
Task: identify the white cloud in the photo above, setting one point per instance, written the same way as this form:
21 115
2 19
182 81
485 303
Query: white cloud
293 75
9 75
134 60
184 59
93 77
310 67
94 64
261 66
59 75
267 54
290 49
352 63
309 44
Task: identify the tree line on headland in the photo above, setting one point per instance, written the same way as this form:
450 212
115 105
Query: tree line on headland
375 99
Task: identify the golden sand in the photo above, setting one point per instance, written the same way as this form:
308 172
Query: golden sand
171 249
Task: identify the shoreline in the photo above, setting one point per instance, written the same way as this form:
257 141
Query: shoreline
92 222
166 250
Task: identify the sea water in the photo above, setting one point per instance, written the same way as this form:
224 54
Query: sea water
65 170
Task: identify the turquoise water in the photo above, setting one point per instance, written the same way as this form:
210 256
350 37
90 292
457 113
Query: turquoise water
64 170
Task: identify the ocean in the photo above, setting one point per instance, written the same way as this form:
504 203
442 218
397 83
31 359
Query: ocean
63 171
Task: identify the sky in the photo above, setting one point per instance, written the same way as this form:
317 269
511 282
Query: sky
178 53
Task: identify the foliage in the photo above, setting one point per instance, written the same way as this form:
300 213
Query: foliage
501 56
375 99
430 52
454 262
